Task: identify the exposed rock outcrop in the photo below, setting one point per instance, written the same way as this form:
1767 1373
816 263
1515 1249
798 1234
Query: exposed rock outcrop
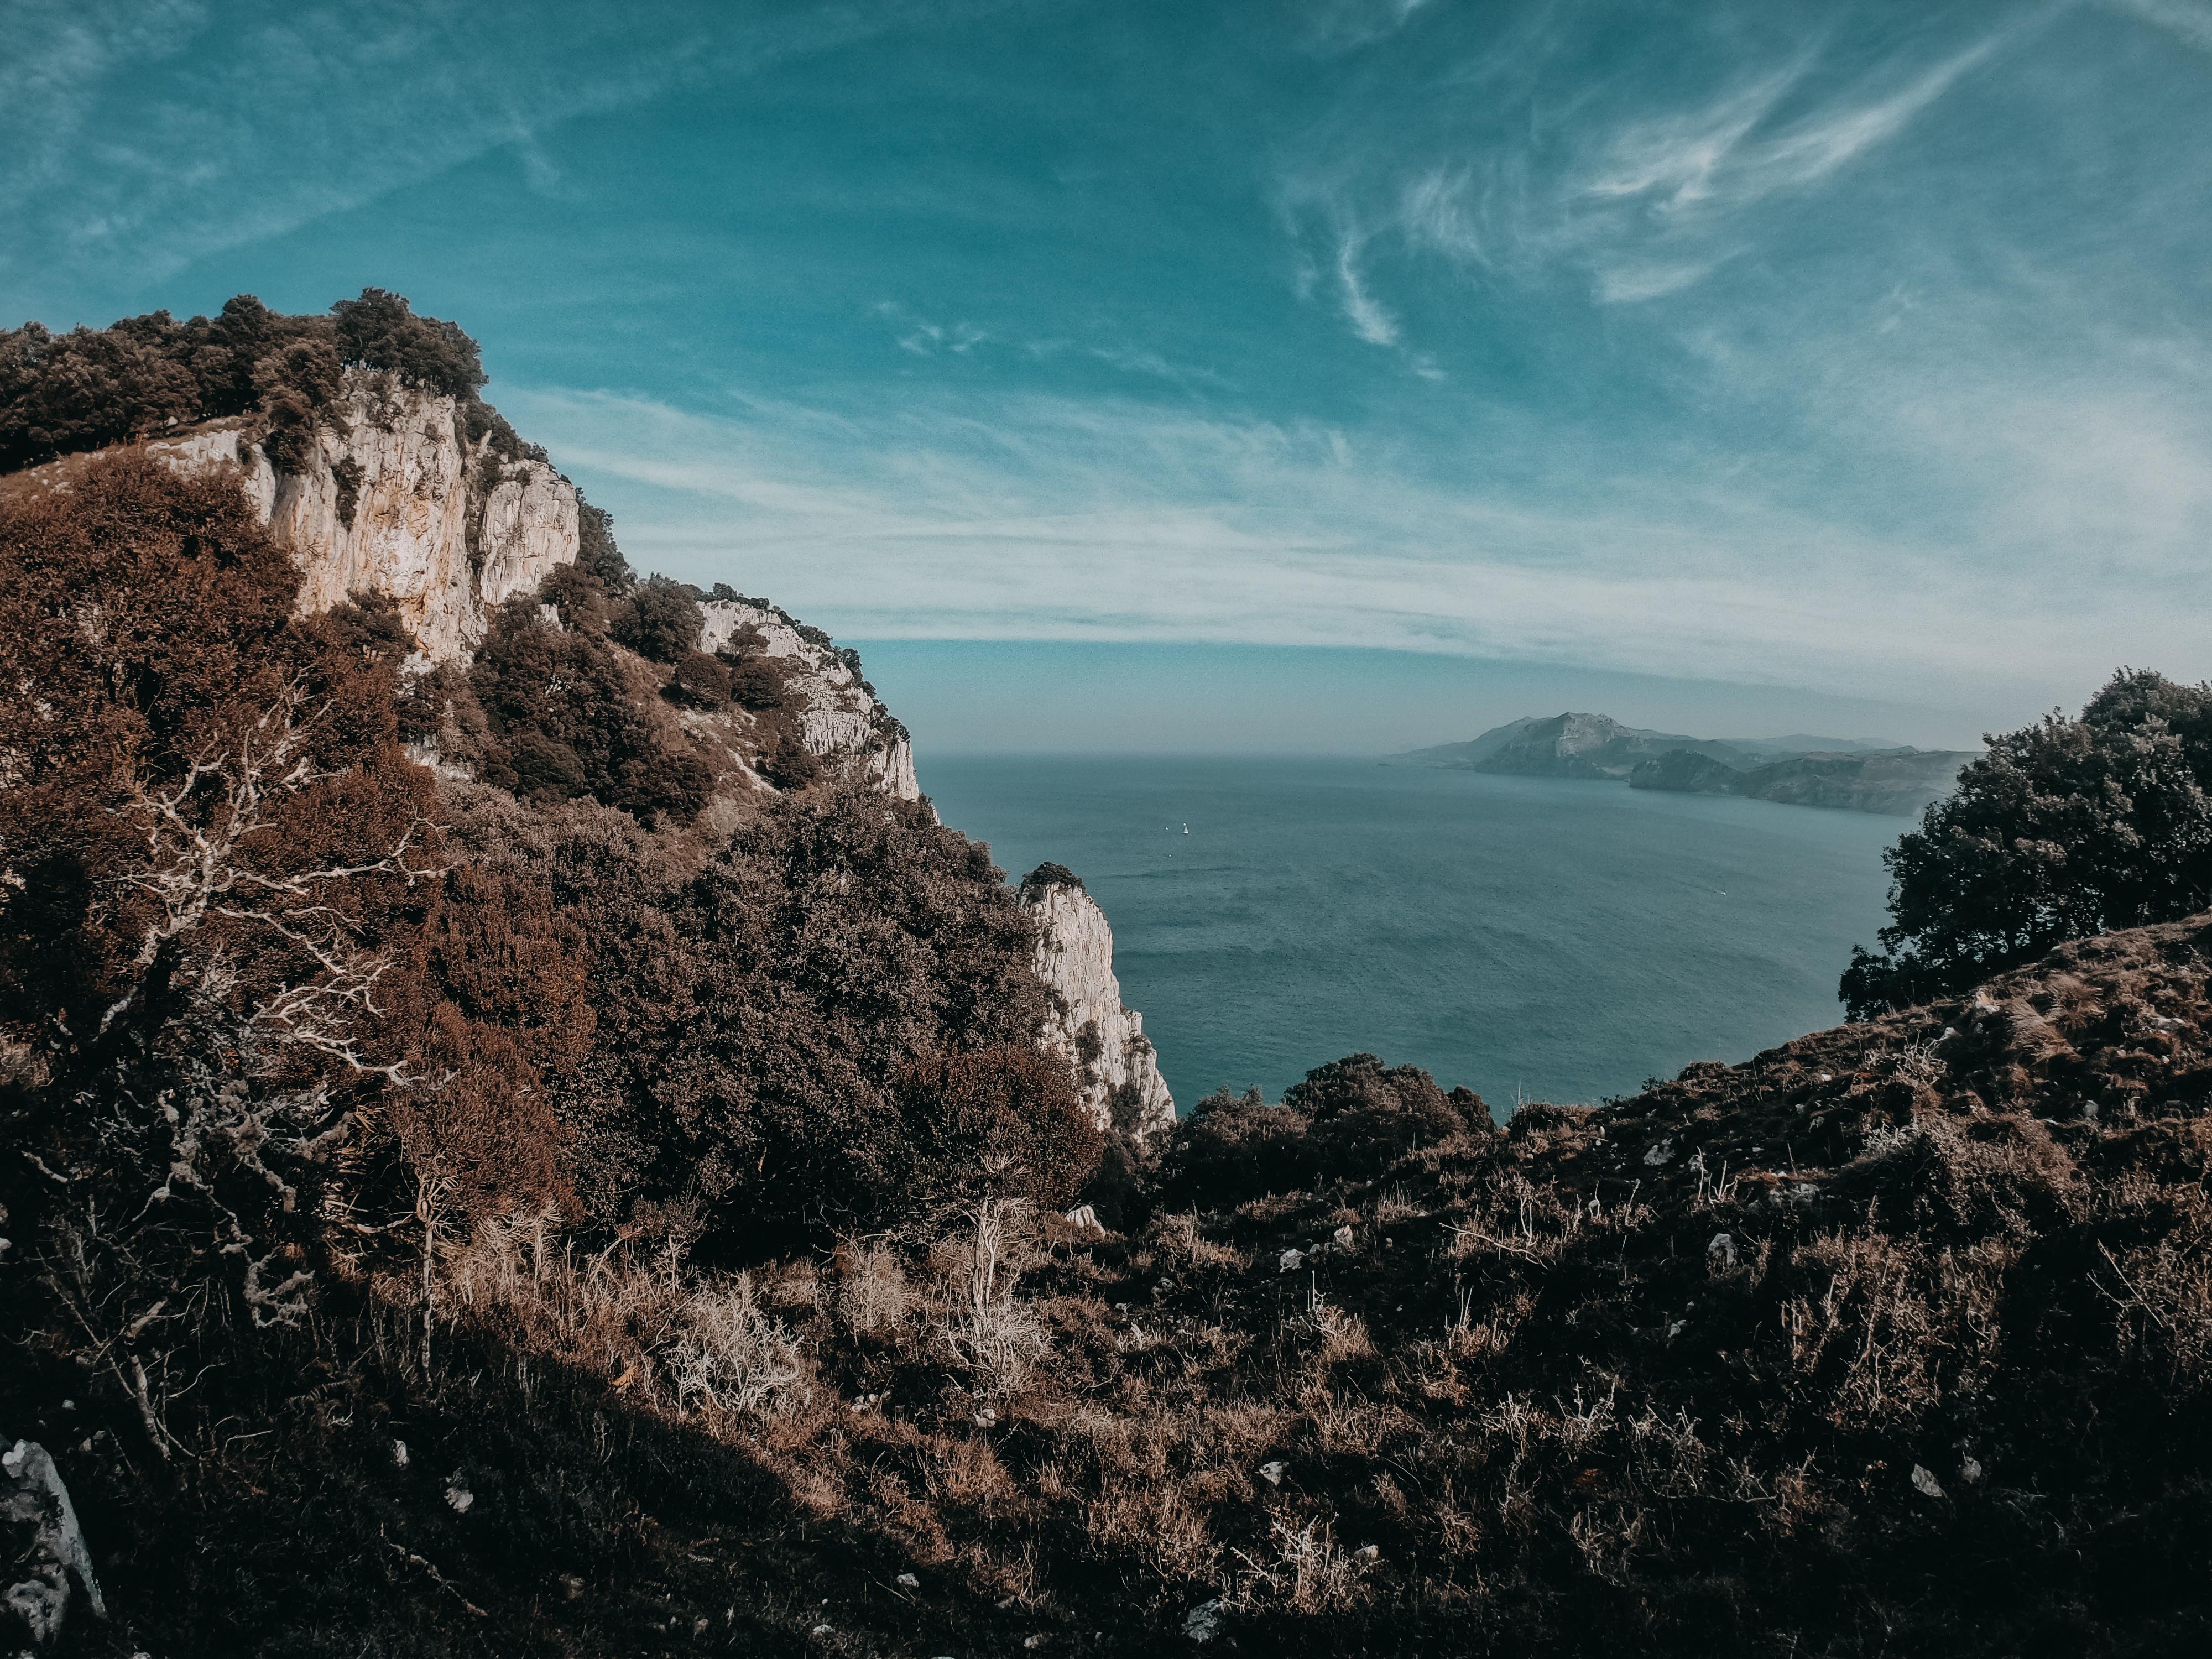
844 721
393 501
45 1545
1114 1064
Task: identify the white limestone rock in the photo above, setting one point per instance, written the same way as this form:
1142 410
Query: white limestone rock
389 502
844 723
50 1548
1113 1060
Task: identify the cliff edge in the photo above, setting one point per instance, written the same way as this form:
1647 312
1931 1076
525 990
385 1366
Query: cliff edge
1116 1073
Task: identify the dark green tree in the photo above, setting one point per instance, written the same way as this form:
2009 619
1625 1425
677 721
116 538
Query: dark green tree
2064 829
660 621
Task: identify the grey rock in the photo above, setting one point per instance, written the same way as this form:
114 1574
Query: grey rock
34 1502
1203 1622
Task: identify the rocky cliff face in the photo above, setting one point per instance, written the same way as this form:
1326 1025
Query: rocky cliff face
844 721
392 500
1114 1062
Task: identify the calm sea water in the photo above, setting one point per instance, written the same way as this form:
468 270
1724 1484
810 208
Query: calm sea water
1564 939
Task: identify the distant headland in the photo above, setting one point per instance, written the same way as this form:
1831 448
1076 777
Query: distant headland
1854 774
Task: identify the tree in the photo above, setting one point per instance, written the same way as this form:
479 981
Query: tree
241 995
380 330
2064 829
596 555
660 621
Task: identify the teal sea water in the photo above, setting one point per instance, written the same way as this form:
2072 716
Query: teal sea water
1563 939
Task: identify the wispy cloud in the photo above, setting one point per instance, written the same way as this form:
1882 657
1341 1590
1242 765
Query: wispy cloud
1636 203
174 104
1369 321
2189 20
1042 518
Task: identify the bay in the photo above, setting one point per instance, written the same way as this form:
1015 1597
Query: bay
1531 937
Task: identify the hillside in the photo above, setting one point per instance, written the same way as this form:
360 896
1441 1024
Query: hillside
1564 746
1899 783
1800 771
1893 1340
521 1134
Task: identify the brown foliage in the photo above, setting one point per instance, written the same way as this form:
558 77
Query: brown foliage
1003 1119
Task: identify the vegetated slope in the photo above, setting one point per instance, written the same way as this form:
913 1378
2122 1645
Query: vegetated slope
1892 1341
1899 783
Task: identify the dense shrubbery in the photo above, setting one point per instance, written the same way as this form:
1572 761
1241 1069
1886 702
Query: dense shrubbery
755 1016
2064 829
566 719
1350 1116
658 619
60 393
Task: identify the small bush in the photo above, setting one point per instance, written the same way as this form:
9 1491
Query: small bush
700 681
1003 1120
660 619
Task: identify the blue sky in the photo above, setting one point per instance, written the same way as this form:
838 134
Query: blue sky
1282 374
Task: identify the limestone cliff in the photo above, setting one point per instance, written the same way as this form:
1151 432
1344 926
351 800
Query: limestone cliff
393 501
843 719
1114 1065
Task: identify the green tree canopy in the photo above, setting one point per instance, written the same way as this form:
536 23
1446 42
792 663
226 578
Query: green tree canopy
2066 828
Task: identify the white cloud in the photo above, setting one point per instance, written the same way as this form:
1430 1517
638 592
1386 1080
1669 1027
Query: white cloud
143 133
1040 518
1369 321
1639 204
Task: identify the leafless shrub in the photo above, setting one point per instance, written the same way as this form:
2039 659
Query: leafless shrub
248 1089
1583 1427
994 1335
1339 1336
728 1352
1916 1063
1607 1534
874 1297
1395 1204
1180 1245
1666 1453
653 1331
2163 1293
1309 1574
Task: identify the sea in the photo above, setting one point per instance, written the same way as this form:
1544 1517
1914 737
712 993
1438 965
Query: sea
1533 938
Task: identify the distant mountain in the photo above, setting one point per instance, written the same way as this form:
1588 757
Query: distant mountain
1594 746
1896 781
1800 743
1854 774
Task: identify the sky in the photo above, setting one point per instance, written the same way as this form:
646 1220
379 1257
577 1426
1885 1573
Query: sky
1342 374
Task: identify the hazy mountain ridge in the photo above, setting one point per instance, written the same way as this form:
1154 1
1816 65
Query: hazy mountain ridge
1851 773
